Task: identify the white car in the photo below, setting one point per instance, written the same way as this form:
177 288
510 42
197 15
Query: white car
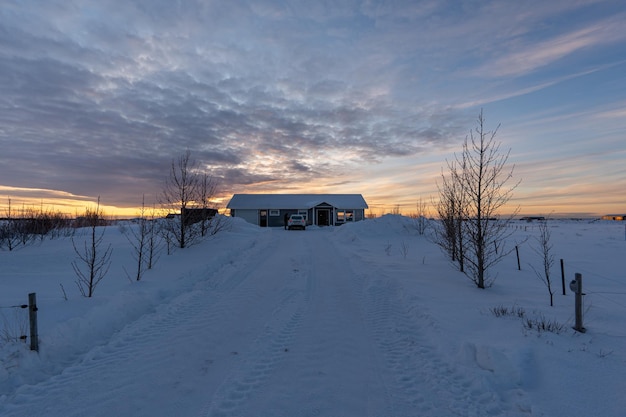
296 221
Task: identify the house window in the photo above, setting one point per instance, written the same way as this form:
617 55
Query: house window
303 213
274 213
345 216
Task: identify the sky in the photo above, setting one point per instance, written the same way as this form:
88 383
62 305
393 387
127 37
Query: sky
368 97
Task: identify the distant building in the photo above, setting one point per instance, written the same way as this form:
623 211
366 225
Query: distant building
618 217
271 210
194 215
531 218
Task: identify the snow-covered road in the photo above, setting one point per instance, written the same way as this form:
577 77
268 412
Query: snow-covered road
296 326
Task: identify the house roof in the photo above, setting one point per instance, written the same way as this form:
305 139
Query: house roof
296 201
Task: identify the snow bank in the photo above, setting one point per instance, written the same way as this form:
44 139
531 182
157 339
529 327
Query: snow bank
430 322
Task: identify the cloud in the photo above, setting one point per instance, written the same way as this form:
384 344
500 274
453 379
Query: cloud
505 93
543 53
116 129
617 113
98 98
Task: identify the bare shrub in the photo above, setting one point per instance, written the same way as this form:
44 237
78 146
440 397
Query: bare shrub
541 324
404 249
20 228
502 311
536 322
219 223
12 231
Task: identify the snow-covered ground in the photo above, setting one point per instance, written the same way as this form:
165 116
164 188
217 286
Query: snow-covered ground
367 319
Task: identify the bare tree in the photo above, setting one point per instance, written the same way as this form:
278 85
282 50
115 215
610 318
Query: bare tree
370 214
547 257
395 210
207 190
145 239
484 179
138 237
445 232
421 216
451 209
25 224
189 191
93 263
181 193
154 240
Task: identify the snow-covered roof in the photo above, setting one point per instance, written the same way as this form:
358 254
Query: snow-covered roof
296 201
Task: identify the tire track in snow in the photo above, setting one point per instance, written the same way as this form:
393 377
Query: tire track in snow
245 382
423 383
330 369
269 350
341 365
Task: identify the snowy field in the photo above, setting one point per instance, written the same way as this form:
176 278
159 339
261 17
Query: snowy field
366 319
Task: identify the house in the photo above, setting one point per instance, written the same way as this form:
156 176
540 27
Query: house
271 210
619 217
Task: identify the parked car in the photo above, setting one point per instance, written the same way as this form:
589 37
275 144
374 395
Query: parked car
296 221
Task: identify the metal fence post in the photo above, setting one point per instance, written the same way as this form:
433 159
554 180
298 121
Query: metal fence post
578 287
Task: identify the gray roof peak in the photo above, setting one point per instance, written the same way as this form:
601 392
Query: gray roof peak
296 201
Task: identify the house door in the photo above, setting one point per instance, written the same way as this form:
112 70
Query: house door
323 217
263 218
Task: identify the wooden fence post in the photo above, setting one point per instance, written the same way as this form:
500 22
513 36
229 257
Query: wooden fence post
32 315
563 276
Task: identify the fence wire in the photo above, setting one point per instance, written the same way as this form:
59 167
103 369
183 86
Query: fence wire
16 306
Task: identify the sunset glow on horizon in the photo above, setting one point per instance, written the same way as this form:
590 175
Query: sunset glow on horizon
365 97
